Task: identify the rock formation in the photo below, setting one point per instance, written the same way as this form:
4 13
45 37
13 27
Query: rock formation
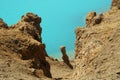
24 39
23 55
89 18
115 4
92 19
97 49
65 56
2 24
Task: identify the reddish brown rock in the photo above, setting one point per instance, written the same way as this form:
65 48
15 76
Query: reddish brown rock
30 24
65 57
24 39
3 24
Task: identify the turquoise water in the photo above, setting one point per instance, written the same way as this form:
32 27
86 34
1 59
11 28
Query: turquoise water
59 18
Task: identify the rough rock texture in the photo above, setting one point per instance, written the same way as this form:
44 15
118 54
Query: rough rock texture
24 39
2 24
92 19
65 57
23 55
97 50
115 4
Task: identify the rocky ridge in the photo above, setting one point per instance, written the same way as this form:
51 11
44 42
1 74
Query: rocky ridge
24 39
97 50
23 55
97 47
